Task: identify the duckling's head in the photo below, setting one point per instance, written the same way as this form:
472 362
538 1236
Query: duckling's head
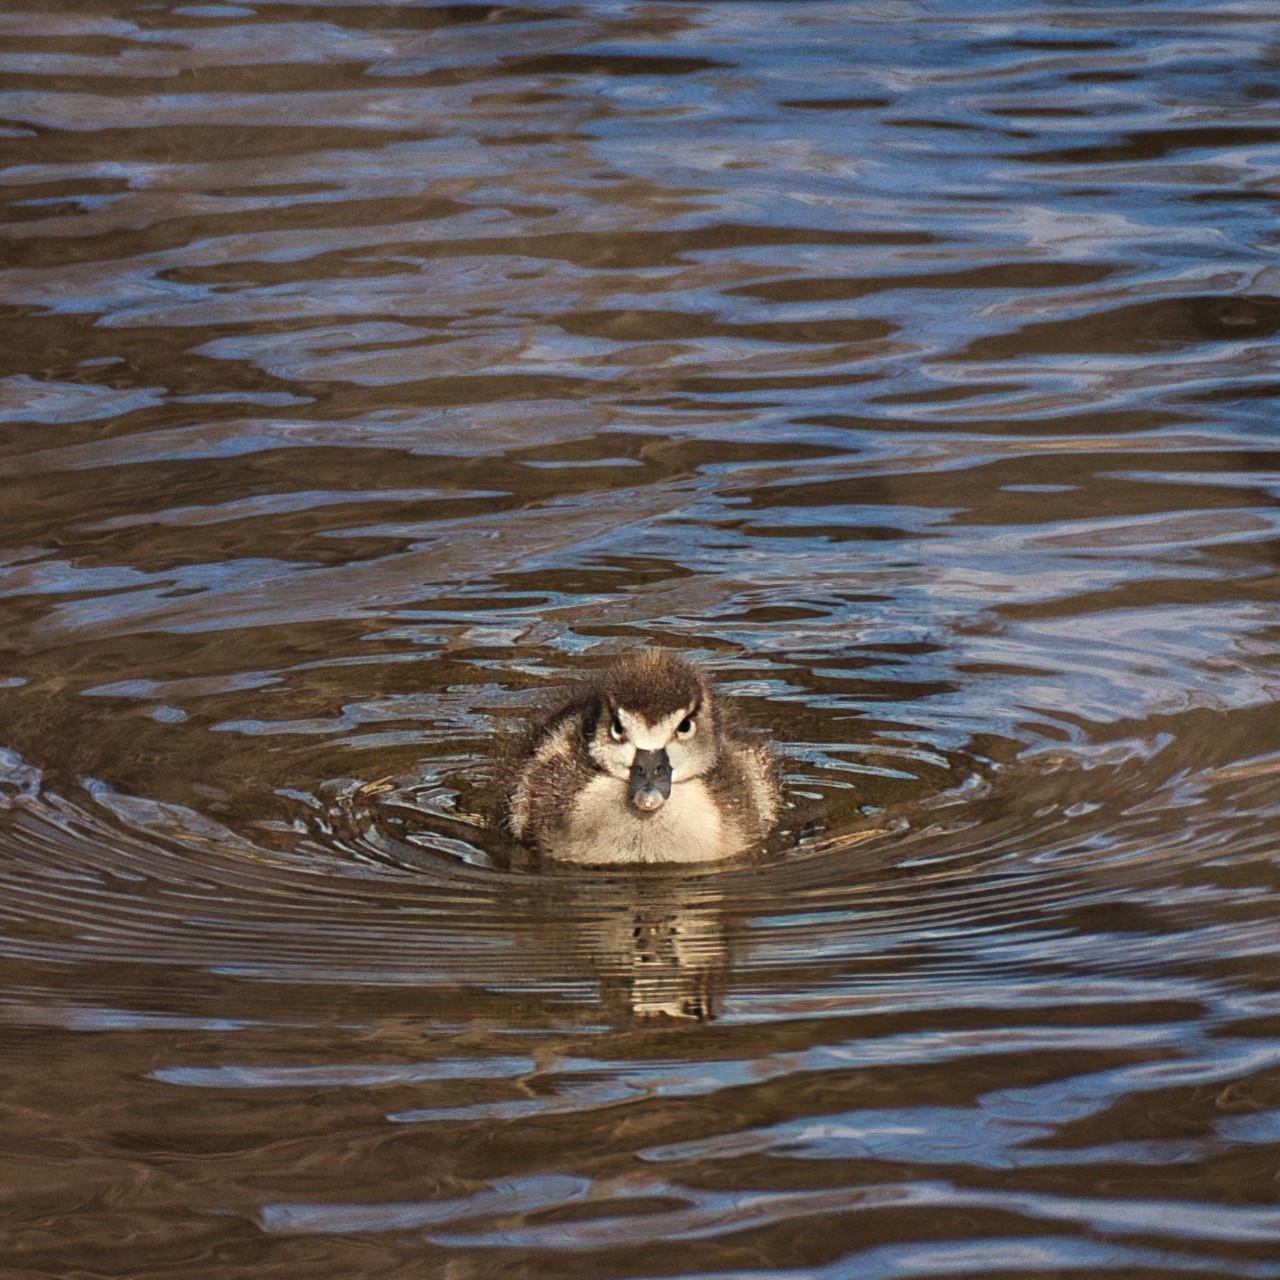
654 727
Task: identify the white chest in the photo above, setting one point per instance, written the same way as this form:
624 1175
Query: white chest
604 830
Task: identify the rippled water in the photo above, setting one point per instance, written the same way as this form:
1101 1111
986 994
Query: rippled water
370 368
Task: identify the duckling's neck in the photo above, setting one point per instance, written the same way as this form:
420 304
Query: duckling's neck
603 829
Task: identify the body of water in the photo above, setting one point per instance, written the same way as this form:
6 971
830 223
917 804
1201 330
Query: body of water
369 369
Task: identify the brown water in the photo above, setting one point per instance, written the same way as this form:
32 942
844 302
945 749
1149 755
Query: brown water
370 367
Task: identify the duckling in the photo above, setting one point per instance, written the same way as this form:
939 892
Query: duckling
637 765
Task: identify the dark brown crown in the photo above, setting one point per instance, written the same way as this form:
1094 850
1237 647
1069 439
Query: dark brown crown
654 684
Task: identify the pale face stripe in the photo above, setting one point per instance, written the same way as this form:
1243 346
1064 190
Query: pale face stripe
646 736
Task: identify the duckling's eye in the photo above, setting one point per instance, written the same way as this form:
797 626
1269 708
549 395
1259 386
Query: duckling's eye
685 728
616 731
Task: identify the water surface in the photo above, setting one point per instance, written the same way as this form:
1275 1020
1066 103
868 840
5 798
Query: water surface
367 369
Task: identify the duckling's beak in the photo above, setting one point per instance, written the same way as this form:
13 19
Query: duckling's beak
650 781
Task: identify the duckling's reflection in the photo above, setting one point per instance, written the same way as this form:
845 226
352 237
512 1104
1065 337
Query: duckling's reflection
658 957
655 939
